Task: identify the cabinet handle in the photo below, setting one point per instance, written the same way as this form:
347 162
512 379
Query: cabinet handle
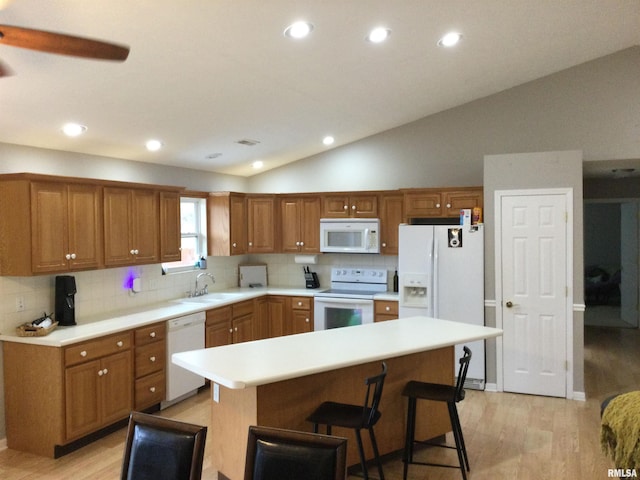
105 371
132 252
251 244
231 330
120 343
387 308
236 329
83 353
346 207
152 389
152 334
297 244
448 205
137 251
384 244
306 320
437 205
153 359
100 373
67 256
302 244
234 244
73 256
353 207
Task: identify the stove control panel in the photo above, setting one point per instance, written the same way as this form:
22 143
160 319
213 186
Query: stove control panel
359 275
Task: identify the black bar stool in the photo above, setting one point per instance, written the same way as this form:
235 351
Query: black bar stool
415 391
357 417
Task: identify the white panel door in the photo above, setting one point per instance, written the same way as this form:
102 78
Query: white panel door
534 293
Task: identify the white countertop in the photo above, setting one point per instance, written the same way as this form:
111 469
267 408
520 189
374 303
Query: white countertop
262 362
95 327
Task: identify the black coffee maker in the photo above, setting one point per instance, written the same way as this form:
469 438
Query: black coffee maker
65 303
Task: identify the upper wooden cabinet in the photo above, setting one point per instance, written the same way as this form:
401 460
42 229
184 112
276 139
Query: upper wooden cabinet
391 216
345 205
227 224
441 202
48 226
131 226
300 224
261 224
170 235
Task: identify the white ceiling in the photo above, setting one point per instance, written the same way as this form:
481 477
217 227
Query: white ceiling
203 74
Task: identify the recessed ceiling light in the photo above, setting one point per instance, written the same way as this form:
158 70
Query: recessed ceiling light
73 129
328 140
450 39
298 30
257 164
378 35
154 145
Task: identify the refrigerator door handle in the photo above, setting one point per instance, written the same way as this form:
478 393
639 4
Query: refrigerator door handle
434 276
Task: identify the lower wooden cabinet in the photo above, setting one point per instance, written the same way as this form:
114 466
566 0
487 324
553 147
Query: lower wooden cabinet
301 315
385 310
150 365
230 324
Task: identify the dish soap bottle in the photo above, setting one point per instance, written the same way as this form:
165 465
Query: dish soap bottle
395 281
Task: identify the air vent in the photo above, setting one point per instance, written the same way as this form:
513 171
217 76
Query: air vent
248 142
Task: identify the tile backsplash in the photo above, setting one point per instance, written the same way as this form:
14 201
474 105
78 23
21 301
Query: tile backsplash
102 292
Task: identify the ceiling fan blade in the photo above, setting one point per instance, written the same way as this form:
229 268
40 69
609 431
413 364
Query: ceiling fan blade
60 43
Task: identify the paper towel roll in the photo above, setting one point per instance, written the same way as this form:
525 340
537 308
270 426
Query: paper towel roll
306 259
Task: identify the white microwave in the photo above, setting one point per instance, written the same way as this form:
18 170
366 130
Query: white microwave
350 235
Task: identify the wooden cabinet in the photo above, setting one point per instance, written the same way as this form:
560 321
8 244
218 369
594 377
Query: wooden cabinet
98 384
131 226
230 324
276 317
49 226
261 224
170 234
150 365
301 315
300 224
385 310
391 216
345 205
441 202
227 224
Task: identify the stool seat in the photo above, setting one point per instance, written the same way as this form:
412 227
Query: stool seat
343 415
415 390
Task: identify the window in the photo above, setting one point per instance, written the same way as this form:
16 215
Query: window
193 228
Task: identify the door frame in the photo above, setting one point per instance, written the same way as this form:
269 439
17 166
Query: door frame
568 194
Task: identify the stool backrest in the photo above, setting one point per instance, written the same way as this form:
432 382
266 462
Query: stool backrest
372 398
462 373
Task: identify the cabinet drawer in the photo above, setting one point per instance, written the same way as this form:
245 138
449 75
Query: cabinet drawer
152 333
386 307
150 358
97 348
218 315
243 308
150 390
301 303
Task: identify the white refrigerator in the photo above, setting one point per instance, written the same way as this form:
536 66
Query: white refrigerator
441 275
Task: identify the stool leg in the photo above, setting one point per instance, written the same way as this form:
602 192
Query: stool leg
410 436
464 447
374 444
361 452
315 428
456 437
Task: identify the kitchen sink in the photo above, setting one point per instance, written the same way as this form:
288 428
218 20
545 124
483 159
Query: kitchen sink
212 298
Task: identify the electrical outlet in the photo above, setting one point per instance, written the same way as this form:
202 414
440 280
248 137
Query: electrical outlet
19 304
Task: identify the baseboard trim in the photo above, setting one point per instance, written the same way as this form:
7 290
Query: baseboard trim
580 396
491 387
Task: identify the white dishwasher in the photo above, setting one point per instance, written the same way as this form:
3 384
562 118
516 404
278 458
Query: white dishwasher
184 334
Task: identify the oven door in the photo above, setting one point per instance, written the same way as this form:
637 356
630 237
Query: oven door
331 312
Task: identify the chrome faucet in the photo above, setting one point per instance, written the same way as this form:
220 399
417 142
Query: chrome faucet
204 290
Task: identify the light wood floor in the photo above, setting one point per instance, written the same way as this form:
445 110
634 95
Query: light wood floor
507 435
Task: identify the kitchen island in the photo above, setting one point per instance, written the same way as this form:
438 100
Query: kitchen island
278 382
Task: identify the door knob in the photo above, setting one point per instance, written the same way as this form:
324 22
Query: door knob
509 304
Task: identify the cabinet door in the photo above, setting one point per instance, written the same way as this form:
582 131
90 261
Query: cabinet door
145 225
85 226
117 226
301 321
310 224
82 403
290 216
335 206
116 387
423 204
365 206
277 316
243 328
454 201
170 235
261 224
218 327
238 224
49 227
391 216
